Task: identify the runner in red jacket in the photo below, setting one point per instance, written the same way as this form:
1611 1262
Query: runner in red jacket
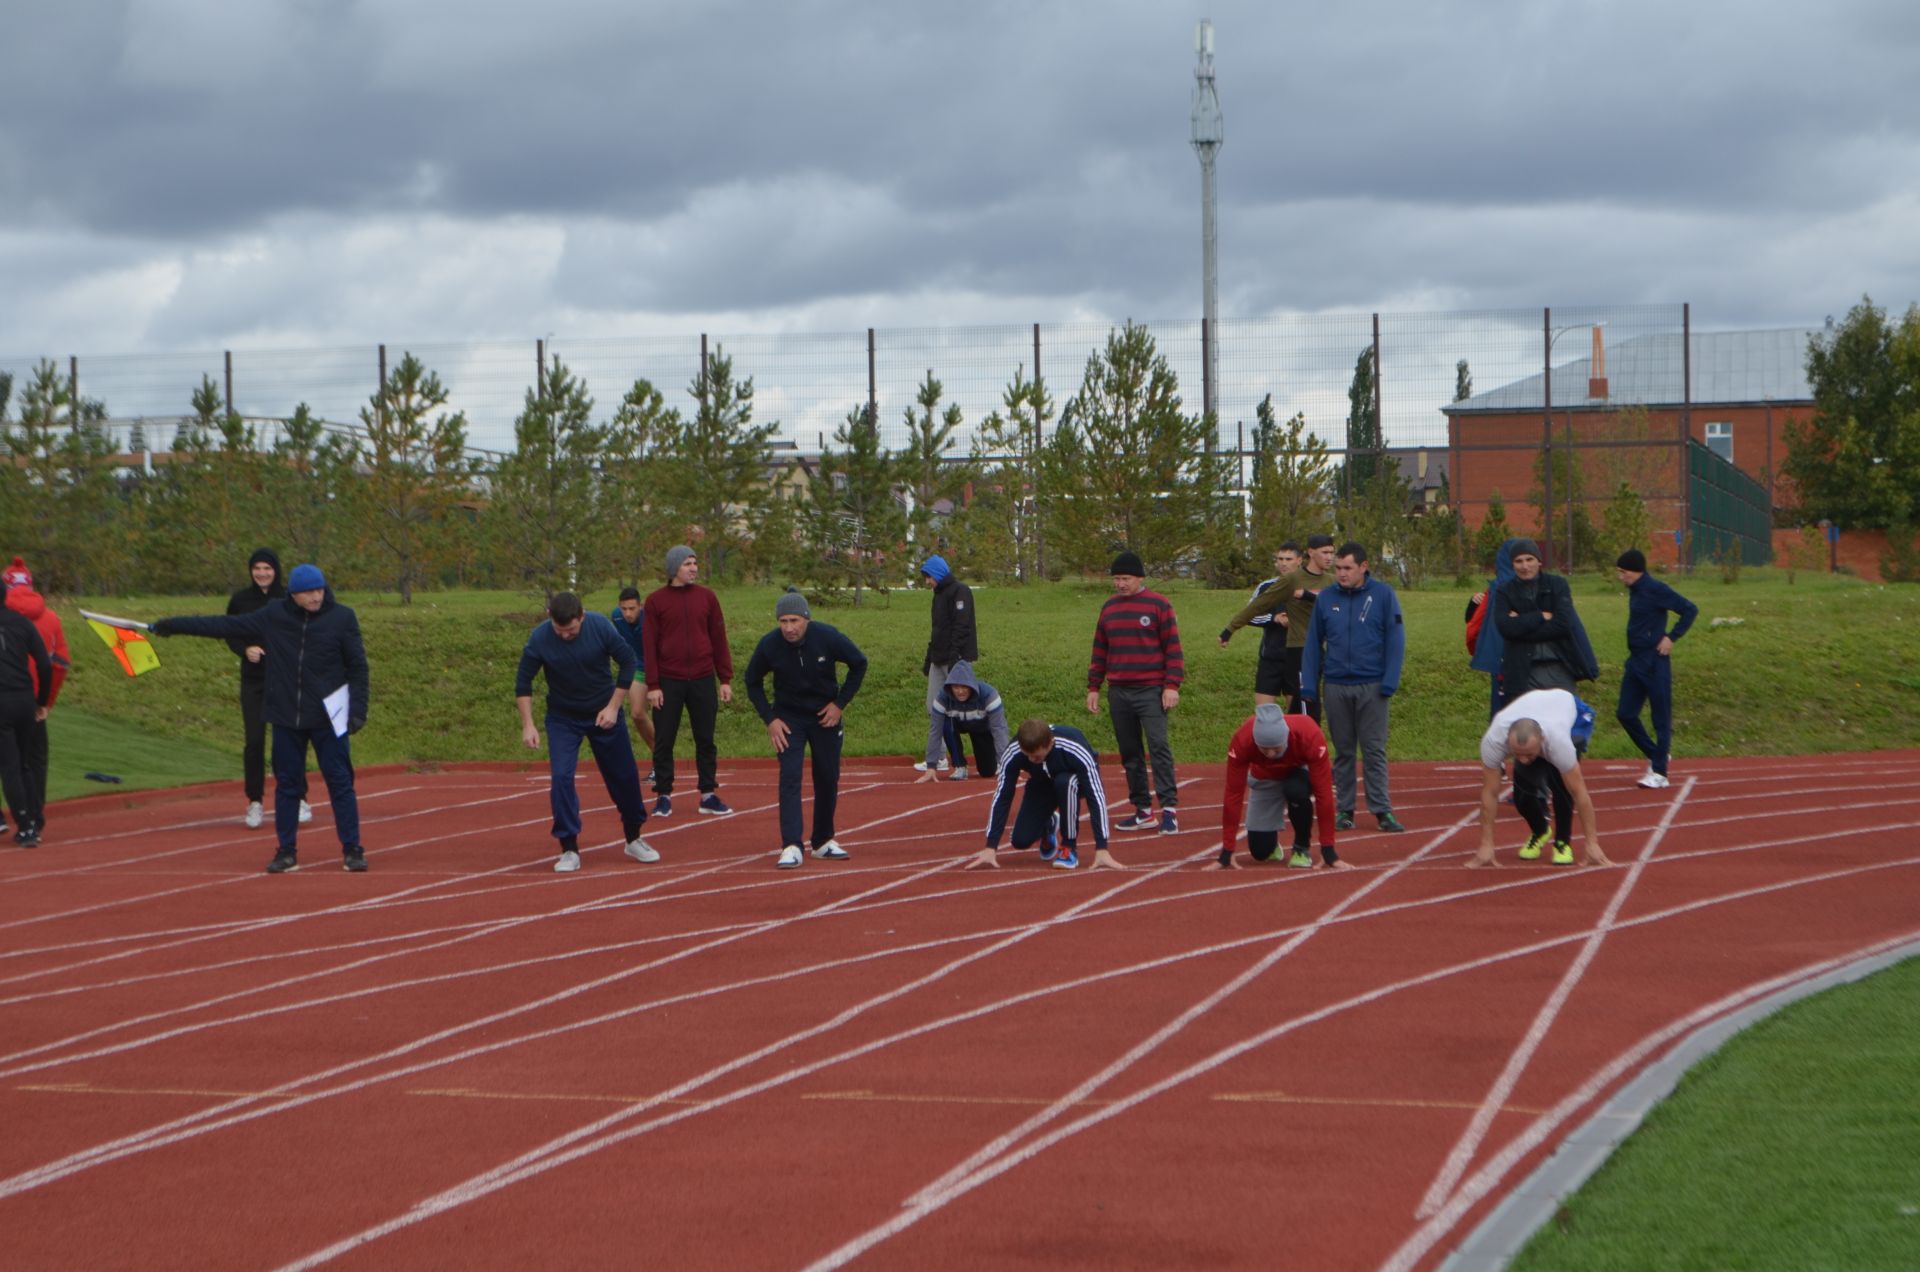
35 752
1277 768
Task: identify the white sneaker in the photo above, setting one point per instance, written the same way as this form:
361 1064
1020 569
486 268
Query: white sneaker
943 766
1653 781
830 851
641 850
789 857
254 815
568 863
958 775
306 812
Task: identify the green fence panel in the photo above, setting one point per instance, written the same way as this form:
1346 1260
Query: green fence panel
1729 510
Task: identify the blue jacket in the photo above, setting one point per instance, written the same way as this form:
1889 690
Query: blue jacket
578 682
1358 636
633 632
804 672
1649 601
1492 646
1072 767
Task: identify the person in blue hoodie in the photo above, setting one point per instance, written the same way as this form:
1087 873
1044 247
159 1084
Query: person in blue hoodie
572 648
1356 643
971 708
316 696
1489 648
804 715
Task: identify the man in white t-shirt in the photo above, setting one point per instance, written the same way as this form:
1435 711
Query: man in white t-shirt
1541 732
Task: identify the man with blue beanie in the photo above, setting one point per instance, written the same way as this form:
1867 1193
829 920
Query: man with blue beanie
1356 642
316 696
583 701
953 640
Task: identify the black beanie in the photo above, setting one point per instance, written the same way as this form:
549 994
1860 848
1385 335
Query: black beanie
1633 559
1128 563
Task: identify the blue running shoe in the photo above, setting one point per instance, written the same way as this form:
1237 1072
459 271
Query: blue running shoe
1066 859
663 807
710 803
1049 847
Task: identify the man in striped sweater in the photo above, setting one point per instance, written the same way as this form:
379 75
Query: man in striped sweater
1136 651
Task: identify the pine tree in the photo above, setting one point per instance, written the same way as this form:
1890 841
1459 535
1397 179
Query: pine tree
855 517
415 471
58 494
639 527
1363 426
924 466
1462 381
548 495
999 529
712 476
1291 476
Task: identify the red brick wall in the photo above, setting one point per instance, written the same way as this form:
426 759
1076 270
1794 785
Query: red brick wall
1858 550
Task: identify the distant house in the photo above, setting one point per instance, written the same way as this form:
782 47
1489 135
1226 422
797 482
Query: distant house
1623 409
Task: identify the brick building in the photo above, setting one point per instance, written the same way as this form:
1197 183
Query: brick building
1622 411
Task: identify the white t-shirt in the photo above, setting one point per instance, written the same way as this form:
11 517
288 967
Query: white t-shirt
1554 710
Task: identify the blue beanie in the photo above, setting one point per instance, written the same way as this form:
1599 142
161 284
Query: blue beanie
306 578
935 568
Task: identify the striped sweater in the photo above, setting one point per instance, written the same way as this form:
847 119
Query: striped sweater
1137 642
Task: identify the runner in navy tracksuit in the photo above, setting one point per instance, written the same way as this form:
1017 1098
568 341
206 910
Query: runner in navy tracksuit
1648 675
1062 770
804 714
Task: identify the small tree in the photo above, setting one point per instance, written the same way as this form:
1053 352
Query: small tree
58 496
1626 522
1858 459
923 466
1363 425
856 520
1291 475
1462 381
549 500
716 464
999 529
309 478
639 527
1493 532
415 470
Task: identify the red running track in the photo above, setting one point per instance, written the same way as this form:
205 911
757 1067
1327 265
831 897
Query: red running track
462 1060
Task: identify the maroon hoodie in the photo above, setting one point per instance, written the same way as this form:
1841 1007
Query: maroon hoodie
685 635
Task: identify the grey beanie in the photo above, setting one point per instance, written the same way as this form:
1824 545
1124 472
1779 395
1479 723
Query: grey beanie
677 557
1525 547
791 602
1270 726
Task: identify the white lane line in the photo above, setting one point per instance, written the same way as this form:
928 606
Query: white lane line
1470 1139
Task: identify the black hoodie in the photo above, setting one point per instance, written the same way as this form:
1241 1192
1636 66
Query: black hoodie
253 597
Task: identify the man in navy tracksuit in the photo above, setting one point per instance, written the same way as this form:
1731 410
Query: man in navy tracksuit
629 620
1062 771
316 696
1648 675
1356 643
971 707
583 701
805 712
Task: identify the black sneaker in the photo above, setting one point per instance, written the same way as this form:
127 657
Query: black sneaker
1389 822
355 859
281 864
1142 819
27 836
1343 821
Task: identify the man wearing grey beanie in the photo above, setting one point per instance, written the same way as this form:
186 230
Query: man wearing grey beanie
1277 768
805 713
688 668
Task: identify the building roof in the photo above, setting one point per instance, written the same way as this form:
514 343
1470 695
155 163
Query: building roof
1729 368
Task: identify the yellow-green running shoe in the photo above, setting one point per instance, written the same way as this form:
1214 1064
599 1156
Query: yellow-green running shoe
1563 854
1530 851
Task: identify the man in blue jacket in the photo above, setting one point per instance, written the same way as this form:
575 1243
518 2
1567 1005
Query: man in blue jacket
1356 643
1648 675
1062 772
583 701
804 713
316 696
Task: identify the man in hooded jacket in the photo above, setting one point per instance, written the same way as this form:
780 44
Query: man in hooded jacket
265 586
953 639
316 696
35 751
1545 644
26 681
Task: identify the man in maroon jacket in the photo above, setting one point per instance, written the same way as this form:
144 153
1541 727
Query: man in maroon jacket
1277 767
686 643
1136 650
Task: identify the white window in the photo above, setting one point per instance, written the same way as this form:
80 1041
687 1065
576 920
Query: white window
1720 439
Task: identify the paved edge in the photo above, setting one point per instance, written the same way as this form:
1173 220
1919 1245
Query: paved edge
1528 1207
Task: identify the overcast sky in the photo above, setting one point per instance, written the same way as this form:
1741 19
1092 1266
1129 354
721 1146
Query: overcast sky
201 174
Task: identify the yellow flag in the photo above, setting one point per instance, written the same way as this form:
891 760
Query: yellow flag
130 648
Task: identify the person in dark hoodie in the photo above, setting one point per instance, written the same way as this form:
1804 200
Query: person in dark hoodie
35 751
1488 647
316 696
26 686
954 639
971 708
1545 645
267 586
803 715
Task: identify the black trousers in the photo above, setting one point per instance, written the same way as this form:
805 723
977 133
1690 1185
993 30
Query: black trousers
805 734
1296 705
1535 786
700 699
16 742
253 755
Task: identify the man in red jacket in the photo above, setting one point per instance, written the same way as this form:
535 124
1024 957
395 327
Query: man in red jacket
34 749
685 637
1277 767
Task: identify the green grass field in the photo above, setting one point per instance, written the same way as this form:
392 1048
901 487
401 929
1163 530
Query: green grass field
1828 663
1793 1148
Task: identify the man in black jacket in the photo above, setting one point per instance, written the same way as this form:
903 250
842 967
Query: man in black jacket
316 695
953 641
26 683
264 567
804 713
1546 644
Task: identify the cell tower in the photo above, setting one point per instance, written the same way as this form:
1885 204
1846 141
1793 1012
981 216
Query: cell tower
1209 133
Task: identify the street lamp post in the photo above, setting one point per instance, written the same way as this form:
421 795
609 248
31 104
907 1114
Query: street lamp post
1550 334
1209 133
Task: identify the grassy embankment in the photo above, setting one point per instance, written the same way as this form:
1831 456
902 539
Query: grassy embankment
1825 664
